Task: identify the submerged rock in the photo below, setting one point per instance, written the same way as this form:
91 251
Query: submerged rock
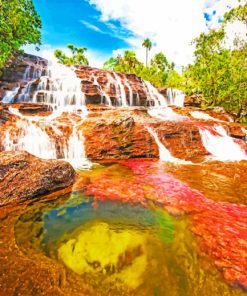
24 176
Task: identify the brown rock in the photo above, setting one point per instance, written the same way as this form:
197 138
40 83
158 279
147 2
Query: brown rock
24 176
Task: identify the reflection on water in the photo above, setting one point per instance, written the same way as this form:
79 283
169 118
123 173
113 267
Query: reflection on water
119 248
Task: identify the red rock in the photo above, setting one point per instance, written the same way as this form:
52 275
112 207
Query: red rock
24 176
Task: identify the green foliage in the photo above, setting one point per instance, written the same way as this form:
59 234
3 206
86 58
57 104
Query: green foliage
78 57
19 25
219 73
157 73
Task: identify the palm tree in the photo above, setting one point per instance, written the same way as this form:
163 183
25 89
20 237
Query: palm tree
148 45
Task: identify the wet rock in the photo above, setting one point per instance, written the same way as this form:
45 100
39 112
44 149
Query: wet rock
122 134
99 84
24 176
19 71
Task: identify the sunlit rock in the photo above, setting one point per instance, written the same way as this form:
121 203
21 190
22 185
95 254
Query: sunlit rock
24 176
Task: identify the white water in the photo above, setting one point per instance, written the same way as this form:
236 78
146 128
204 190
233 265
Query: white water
154 95
221 146
175 97
131 100
166 114
164 153
61 89
121 94
31 138
204 116
10 95
104 95
160 109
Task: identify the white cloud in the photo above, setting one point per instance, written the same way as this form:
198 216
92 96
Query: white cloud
92 27
170 24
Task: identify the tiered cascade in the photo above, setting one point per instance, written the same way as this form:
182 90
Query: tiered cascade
65 131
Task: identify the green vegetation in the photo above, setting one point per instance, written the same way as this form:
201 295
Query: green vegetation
159 73
78 57
19 25
218 74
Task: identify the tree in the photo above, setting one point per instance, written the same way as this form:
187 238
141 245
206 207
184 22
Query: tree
19 25
148 45
157 73
128 63
219 73
78 57
160 62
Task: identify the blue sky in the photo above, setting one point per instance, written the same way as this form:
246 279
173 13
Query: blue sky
77 22
108 27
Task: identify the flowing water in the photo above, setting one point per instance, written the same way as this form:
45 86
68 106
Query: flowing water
175 97
220 145
164 153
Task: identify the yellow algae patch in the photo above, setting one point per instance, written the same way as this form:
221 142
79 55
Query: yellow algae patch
118 253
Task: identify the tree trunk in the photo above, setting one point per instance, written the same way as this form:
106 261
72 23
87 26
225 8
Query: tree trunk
146 57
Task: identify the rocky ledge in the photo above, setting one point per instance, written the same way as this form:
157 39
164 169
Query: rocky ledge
24 176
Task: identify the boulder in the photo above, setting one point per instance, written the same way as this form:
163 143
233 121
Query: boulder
24 176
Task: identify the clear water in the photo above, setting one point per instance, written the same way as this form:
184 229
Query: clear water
112 237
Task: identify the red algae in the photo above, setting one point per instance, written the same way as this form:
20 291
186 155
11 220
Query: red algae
220 227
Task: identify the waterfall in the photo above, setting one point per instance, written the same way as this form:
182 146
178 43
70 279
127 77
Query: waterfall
27 75
160 109
24 96
120 90
131 100
154 95
175 97
49 136
102 92
10 95
164 153
61 89
31 138
220 145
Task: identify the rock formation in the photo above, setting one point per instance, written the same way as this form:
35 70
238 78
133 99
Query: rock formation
23 176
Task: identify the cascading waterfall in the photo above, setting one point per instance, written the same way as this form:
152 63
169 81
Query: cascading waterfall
175 97
31 138
131 98
39 135
120 90
164 153
220 145
160 109
154 95
10 95
104 95
61 89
